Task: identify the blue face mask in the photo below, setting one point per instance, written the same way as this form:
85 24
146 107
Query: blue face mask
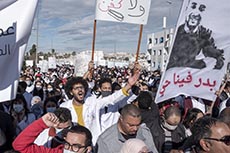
18 107
50 109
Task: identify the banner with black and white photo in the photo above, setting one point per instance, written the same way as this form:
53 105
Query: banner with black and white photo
16 18
200 52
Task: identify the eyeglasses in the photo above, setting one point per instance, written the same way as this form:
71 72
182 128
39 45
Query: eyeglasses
73 147
225 139
78 88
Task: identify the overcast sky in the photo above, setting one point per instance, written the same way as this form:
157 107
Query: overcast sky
67 25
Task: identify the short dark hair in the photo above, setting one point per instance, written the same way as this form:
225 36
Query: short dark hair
225 116
105 80
115 86
172 110
201 129
80 130
73 81
191 116
63 114
131 110
144 100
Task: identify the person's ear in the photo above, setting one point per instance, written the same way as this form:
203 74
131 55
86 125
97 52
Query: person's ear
89 149
121 118
205 145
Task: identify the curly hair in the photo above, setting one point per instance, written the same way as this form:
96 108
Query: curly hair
73 81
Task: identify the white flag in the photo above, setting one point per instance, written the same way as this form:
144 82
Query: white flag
16 20
130 11
200 52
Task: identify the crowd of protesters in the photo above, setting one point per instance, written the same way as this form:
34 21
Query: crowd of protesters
110 110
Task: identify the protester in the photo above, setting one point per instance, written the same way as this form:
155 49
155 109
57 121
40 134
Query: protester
50 105
7 131
190 118
22 90
134 146
45 137
225 116
129 126
77 138
168 132
38 90
20 113
211 136
87 112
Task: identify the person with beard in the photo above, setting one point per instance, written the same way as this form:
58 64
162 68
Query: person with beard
192 40
128 126
87 112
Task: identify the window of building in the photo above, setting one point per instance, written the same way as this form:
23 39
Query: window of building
160 52
156 40
161 40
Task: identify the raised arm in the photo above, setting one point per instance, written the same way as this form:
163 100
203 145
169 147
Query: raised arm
89 71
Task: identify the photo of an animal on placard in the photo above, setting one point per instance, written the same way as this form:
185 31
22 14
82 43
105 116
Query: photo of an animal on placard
193 39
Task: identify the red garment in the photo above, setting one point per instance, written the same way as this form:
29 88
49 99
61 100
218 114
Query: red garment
24 142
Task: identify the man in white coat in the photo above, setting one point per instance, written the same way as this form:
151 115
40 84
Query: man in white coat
87 112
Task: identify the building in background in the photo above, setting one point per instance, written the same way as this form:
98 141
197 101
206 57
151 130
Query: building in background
158 47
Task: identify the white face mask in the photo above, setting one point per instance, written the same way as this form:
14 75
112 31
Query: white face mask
18 107
50 89
168 126
28 83
67 151
38 87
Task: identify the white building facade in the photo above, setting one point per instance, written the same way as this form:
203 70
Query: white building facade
158 47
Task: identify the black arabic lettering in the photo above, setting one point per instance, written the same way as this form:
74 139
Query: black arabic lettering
142 12
133 4
5 51
116 15
9 31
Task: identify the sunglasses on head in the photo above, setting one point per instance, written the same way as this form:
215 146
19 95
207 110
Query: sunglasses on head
224 139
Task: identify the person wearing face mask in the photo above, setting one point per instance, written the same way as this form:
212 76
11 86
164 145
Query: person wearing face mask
86 112
38 90
105 108
168 132
20 113
51 91
50 105
29 82
77 139
22 90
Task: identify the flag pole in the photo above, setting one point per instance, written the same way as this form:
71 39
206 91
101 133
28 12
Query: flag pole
94 38
139 42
